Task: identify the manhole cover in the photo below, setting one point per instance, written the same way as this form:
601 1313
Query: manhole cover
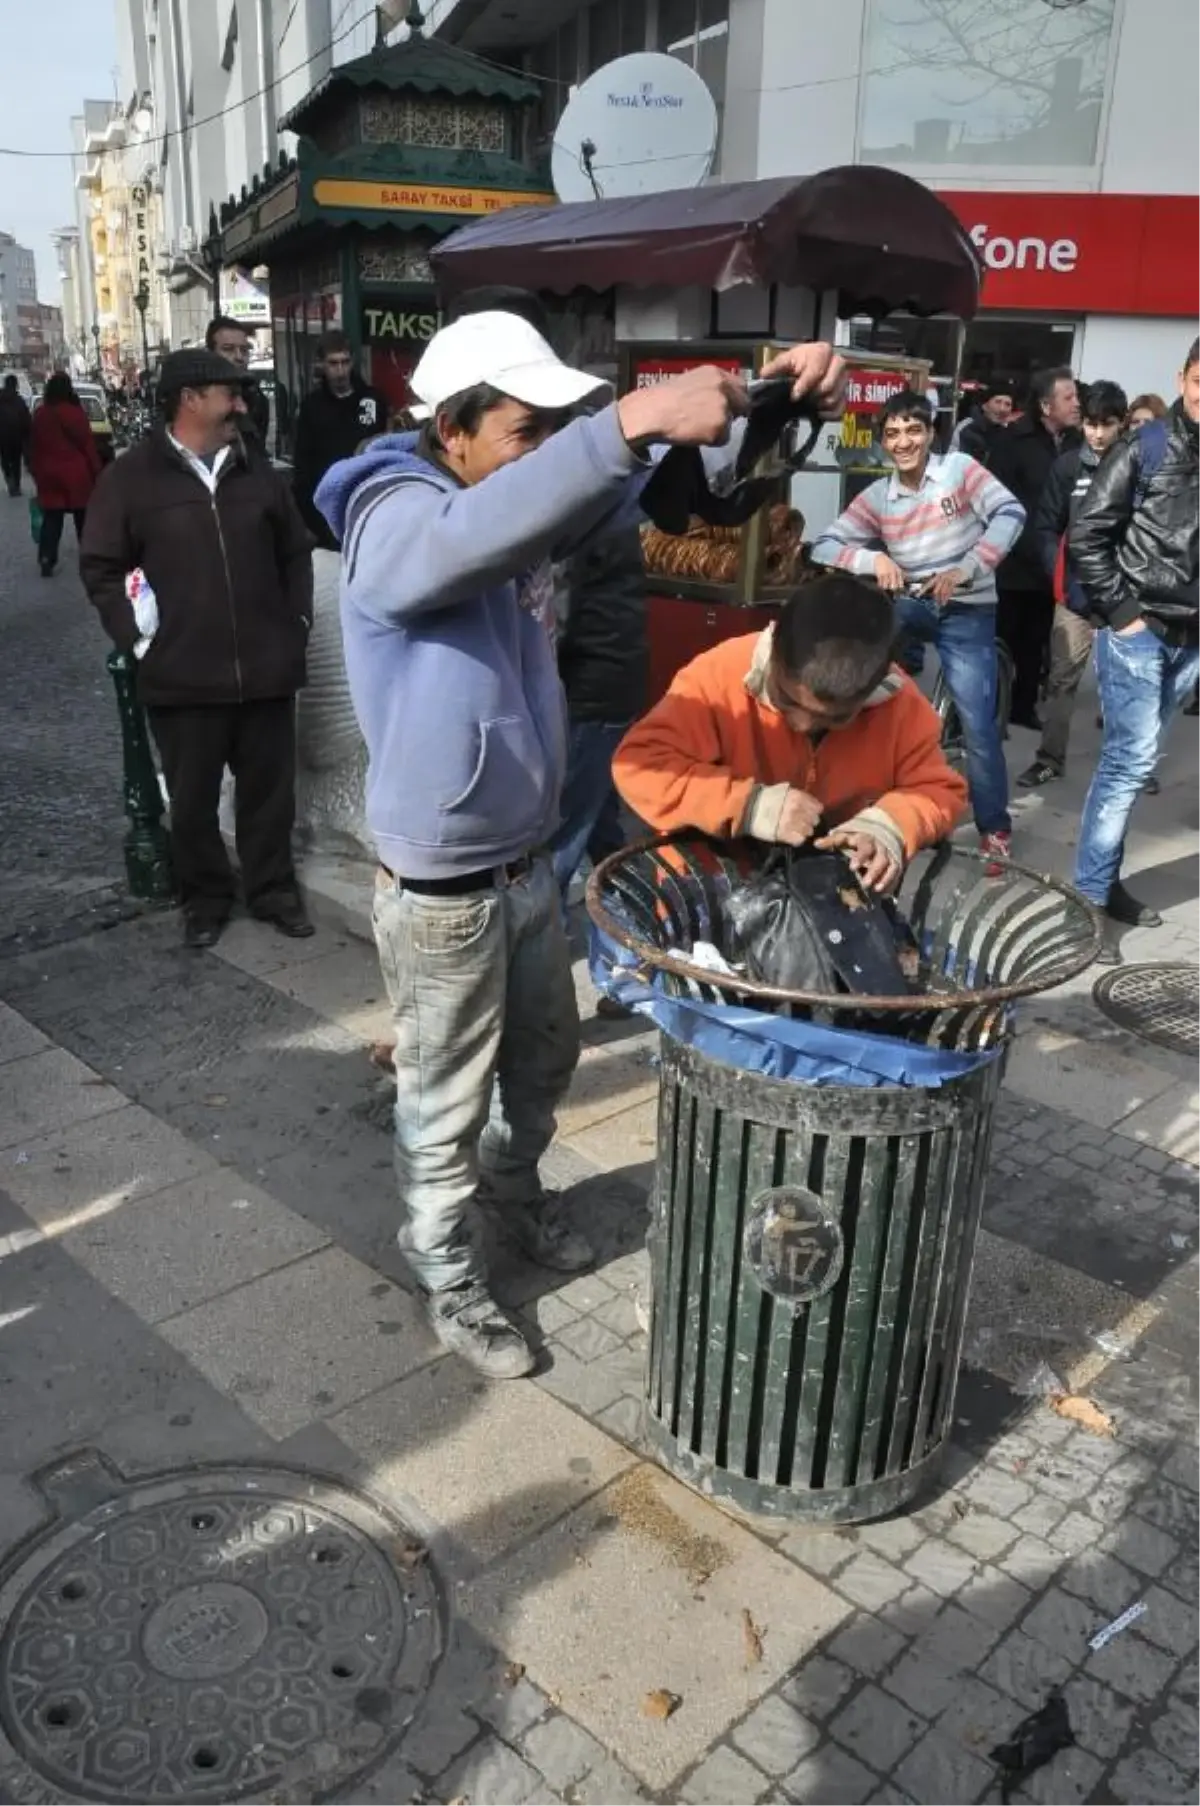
209 1635
1159 1003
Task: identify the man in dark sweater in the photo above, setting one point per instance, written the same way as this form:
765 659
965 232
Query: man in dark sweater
230 340
14 433
331 424
1022 459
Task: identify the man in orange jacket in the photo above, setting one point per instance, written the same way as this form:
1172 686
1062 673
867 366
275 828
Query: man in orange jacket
802 730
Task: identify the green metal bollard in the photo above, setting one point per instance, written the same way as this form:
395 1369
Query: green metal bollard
147 848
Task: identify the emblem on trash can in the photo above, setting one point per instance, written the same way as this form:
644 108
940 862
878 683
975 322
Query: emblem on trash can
793 1244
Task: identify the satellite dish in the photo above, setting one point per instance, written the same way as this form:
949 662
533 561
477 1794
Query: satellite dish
638 125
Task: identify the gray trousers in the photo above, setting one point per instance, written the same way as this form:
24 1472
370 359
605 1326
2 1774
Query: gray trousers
1071 642
487 1040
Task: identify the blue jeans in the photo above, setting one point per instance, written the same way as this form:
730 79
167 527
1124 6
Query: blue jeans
487 1039
965 636
1142 684
591 808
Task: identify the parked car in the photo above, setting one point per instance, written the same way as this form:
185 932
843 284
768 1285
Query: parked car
94 402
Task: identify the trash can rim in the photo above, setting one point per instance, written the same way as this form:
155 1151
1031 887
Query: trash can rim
906 1004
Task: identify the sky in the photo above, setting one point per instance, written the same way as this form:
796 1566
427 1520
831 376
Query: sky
46 72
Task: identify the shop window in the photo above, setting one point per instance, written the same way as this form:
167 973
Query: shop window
957 82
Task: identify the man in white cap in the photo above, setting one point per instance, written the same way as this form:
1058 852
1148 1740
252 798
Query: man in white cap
447 538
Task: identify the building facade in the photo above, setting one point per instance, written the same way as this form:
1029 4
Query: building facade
1060 131
18 293
214 78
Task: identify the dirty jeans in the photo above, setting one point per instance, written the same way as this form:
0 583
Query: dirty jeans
1071 641
1142 684
965 636
487 1038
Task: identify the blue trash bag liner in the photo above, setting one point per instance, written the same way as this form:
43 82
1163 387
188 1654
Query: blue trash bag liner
776 1047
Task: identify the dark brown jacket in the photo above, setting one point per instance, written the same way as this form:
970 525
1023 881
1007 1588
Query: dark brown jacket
231 573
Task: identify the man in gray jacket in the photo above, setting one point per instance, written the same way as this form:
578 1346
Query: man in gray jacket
448 539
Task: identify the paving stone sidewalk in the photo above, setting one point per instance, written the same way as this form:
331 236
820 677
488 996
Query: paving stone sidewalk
198 1265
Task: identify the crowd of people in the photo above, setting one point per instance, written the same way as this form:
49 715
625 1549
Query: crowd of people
494 630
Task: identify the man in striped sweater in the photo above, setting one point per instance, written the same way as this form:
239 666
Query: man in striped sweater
933 533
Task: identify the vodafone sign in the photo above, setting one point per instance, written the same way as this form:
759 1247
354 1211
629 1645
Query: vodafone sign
1084 253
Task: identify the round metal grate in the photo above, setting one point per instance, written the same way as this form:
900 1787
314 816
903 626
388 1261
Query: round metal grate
212 1635
1159 1003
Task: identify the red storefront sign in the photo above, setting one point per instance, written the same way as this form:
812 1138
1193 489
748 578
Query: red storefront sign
1085 253
648 371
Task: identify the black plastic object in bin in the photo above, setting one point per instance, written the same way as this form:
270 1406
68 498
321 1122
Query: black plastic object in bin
811 1245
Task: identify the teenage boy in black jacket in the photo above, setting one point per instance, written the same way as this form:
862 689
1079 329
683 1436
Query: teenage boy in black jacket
331 424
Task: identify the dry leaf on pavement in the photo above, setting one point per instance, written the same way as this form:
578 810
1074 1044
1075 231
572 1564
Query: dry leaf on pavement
1082 1411
513 1673
752 1636
660 1703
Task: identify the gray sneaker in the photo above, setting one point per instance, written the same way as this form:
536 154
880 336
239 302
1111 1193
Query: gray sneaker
468 1321
543 1235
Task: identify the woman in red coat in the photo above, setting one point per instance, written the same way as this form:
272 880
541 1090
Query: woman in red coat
65 464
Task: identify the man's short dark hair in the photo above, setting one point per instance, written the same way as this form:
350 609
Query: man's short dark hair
1193 356
222 323
834 635
332 341
10 381
1042 385
906 404
465 411
497 298
1105 401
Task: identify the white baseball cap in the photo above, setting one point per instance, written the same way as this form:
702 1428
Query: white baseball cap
508 354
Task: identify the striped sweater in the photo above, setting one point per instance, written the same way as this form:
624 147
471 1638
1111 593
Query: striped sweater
960 517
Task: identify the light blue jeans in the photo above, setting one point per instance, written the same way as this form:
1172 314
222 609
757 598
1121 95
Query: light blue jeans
1142 684
487 1040
965 636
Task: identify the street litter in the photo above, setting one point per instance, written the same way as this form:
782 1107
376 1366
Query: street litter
752 1636
660 1703
1040 1382
1035 1741
1082 1411
711 958
1117 1626
1179 1244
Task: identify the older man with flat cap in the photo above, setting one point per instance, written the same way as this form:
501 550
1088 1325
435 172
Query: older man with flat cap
197 559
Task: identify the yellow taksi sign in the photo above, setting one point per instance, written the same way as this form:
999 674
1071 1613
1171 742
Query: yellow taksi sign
422 197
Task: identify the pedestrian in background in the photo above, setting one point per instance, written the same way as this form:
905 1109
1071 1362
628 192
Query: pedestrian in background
212 527
14 433
64 463
1135 543
231 340
1145 408
331 422
1022 458
1072 634
977 434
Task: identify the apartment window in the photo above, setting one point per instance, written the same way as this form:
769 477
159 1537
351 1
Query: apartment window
615 28
697 32
956 82
556 62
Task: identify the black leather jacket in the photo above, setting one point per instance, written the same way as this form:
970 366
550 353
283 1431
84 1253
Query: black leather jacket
602 650
1134 541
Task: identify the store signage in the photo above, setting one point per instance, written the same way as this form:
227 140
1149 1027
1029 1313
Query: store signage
408 197
848 443
648 371
1084 253
141 238
411 326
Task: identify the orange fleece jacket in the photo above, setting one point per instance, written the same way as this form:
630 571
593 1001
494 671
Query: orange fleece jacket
700 755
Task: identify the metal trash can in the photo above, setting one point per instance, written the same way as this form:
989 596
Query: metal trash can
811 1243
